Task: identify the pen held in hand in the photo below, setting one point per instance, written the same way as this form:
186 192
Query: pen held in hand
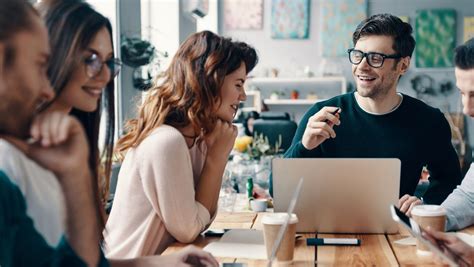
333 113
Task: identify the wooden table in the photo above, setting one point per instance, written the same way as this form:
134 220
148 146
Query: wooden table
375 250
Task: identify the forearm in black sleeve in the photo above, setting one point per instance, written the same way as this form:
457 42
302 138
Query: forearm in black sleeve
445 171
297 150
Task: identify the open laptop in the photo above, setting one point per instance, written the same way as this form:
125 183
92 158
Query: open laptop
339 195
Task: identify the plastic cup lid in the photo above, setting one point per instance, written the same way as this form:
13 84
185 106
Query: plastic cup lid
428 210
278 218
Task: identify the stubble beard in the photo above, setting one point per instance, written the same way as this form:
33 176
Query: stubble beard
379 91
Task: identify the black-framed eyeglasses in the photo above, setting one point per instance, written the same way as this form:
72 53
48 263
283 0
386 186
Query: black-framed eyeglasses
94 65
374 59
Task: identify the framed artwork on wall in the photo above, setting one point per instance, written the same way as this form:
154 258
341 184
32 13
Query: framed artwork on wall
435 34
468 28
243 14
290 19
339 19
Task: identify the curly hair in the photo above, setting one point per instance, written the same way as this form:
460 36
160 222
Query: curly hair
188 92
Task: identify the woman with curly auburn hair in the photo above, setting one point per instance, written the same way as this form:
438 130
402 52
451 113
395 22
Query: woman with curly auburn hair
177 148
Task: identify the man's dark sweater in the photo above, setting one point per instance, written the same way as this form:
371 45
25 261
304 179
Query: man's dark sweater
20 243
415 133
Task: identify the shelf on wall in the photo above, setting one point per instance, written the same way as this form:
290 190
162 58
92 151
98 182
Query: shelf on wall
270 82
278 80
291 101
324 87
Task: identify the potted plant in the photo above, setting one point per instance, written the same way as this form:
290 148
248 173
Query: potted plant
276 95
144 58
294 94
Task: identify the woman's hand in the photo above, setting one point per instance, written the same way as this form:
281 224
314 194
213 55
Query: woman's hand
219 144
221 140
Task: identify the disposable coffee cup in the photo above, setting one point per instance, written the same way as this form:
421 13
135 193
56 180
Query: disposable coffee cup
433 216
271 225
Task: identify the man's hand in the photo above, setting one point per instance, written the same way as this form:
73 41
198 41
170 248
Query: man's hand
452 246
192 256
58 144
407 202
320 127
189 256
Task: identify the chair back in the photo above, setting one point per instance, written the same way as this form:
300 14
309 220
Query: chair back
274 124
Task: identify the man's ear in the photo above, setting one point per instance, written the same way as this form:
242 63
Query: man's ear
404 65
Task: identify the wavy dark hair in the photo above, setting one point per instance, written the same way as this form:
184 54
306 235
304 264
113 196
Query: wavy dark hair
72 24
389 25
188 93
464 55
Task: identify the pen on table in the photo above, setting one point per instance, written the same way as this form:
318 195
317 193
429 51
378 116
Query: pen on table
332 242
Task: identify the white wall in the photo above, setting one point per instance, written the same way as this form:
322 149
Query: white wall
291 56
160 24
210 21
286 55
130 24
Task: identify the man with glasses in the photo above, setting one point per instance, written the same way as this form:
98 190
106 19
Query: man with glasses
376 121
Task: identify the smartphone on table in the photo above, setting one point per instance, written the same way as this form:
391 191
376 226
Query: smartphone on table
215 232
416 230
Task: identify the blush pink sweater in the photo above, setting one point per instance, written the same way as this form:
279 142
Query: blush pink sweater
155 202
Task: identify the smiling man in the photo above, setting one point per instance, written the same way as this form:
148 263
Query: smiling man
460 204
376 121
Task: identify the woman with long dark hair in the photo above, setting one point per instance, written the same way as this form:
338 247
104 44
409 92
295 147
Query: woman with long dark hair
82 71
177 148
82 75
81 65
